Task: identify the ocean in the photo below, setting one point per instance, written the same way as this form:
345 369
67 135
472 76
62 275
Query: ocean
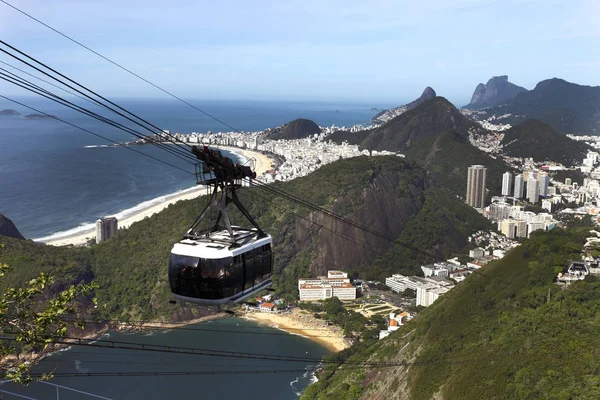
238 335
54 179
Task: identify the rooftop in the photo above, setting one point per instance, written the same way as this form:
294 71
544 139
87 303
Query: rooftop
217 245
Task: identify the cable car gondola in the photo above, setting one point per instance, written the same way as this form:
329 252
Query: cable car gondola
221 264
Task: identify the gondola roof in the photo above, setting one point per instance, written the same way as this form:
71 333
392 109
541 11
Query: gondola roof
218 244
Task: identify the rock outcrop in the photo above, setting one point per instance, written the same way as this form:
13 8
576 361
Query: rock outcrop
297 129
497 91
7 228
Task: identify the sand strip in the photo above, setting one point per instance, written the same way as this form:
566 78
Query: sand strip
263 164
302 323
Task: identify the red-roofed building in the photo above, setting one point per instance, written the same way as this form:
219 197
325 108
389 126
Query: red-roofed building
267 307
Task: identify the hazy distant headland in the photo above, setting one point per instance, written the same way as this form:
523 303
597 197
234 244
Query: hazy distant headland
7 112
38 116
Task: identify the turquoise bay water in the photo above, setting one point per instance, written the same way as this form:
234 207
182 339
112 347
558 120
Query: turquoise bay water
240 336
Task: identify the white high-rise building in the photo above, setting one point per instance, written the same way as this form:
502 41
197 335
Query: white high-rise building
476 180
533 190
336 284
519 185
507 180
105 228
544 182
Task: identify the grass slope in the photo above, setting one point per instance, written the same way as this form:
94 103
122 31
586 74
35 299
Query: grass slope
568 107
447 158
508 333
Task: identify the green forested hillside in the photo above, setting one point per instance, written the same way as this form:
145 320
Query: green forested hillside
436 136
536 139
506 333
566 106
447 158
387 194
428 120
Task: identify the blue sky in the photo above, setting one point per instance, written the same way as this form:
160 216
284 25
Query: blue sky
377 51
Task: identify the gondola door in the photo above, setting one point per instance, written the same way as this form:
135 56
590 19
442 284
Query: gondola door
249 267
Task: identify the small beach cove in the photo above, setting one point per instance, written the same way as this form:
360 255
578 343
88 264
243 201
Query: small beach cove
299 322
234 335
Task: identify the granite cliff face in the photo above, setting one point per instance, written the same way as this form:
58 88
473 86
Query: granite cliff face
567 107
497 91
7 228
384 116
381 209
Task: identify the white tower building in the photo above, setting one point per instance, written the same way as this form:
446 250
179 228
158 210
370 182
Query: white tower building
507 180
544 183
519 185
533 190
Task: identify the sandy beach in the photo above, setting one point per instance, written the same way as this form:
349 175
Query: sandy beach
81 237
302 323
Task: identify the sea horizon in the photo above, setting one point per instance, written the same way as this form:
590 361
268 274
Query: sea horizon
98 181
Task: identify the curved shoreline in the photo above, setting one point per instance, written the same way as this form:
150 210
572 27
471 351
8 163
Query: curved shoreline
303 324
80 235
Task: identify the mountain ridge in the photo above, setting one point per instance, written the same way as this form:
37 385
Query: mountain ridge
567 107
386 115
536 139
498 90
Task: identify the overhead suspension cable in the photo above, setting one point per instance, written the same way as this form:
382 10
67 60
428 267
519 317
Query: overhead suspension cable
260 184
144 124
357 242
122 67
254 182
23 83
426 254
95 134
121 345
149 325
46 82
310 206
166 373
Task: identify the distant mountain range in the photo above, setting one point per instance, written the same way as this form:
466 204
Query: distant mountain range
386 115
297 129
498 90
534 138
566 106
434 134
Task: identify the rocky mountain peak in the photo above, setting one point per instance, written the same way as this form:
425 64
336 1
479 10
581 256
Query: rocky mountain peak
498 90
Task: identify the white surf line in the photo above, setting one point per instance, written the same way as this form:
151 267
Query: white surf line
75 390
